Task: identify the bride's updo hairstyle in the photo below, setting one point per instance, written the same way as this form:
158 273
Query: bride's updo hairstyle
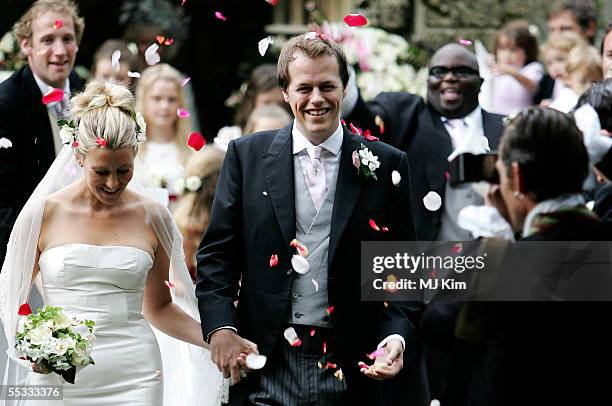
104 110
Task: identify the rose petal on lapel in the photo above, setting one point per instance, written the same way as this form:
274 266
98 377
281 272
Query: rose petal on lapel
53 95
339 375
378 353
182 113
185 81
457 248
58 24
380 123
465 42
263 45
432 201
220 16
133 74
151 55
115 57
355 20
312 332
273 260
300 264
5 143
396 178
373 225
24 310
255 361
196 141
368 136
316 285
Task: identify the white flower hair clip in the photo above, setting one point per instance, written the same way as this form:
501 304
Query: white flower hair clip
192 183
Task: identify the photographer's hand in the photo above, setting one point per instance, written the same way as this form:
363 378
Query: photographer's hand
494 198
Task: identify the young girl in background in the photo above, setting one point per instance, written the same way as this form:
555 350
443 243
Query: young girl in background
159 97
516 72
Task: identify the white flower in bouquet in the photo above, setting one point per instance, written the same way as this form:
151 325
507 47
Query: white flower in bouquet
39 335
61 321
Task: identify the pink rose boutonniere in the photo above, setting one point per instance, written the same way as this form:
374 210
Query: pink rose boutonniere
365 162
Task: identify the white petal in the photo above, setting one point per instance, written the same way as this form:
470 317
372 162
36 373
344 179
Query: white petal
264 44
432 201
133 74
396 178
115 57
151 55
316 285
290 334
299 264
255 361
5 143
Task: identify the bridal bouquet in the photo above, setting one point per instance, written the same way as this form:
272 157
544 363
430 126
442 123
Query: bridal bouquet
55 342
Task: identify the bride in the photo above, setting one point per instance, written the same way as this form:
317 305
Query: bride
107 253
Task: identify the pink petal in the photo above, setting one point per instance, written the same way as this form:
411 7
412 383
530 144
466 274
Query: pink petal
373 225
343 122
182 113
296 343
169 284
379 352
457 248
355 130
185 81
324 347
465 42
273 260
368 136
75 144
301 248
220 16
447 175
24 310
331 365
196 141
272 2
53 95
355 20
169 41
101 142
312 332
183 3
329 310
356 160
385 229
58 24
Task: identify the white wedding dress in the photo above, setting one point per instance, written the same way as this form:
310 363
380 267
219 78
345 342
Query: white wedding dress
106 284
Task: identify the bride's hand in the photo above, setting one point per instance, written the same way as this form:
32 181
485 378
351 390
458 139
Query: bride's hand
39 369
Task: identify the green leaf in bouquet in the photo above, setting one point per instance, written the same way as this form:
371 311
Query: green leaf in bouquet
68 374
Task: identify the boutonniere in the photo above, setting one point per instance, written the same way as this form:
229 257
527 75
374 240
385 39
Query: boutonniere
365 162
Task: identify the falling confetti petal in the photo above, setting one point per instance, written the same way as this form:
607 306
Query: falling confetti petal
299 264
182 113
53 95
434 402
169 41
332 365
396 178
272 2
339 375
264 44
24 310
329 310
115 60
465 42
313 332
447 175
457 248
373 225
160 39
265 193
378 353
196 141
355 20
169 284
324 347
183 3
292 337
5 143
133 74
301 248
255 361
380 123
316 285
58 24
151 55
185 81
432 201
368 136
220 16
273 260
343 122
385 229
355 130
296 343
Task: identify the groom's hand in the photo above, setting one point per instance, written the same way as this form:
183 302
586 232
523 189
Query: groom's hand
388 364
226 348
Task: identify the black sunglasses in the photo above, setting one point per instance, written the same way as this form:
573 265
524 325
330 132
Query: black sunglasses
458 71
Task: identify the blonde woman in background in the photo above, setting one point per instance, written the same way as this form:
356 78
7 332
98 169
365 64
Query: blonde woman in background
159 96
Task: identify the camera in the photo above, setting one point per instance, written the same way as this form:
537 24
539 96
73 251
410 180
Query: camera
469 167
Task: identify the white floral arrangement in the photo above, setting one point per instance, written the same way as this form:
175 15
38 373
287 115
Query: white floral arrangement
55 342
365 162
192 183
380 60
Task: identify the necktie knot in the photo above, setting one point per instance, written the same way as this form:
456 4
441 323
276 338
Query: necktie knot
314 152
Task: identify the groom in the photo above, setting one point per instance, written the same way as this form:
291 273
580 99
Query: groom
300 183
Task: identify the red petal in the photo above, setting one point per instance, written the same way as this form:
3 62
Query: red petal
272 2
457 248
324 347
101 142
220 16
312 332
354 129
53 95
169 284
329 310
355 20
373 225
196 141
75 144
331 365
296 343
169 41
273 260
368 136
160 39
24 310
342 122
58 24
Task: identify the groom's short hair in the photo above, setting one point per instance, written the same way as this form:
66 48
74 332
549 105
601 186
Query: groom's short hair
23 27
311 44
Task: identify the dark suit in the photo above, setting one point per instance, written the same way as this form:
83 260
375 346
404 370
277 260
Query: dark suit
413 126
25 122
253 217
545 89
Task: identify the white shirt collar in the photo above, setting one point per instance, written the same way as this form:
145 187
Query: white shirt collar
44 88
550 205
333 144
472 119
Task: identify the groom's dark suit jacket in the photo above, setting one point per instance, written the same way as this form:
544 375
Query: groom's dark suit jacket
25 122
253 217
413 126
